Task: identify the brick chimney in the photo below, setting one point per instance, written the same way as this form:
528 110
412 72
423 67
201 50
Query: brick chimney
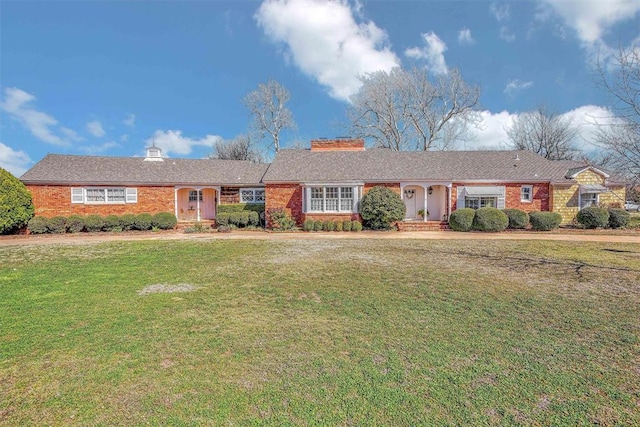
340 144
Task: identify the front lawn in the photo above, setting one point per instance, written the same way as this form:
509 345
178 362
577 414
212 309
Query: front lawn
320 332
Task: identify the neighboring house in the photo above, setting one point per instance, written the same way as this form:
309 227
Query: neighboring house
190 188
326 181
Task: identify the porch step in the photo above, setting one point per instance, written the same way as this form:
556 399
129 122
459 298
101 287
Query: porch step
207 223
423 226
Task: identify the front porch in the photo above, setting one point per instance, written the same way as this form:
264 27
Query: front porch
196 203
426 201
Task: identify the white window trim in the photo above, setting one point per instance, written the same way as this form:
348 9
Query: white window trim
356 194
79 195
500 202
522 198
581 200
253 195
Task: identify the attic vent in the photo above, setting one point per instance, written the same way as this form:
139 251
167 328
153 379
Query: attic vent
154 154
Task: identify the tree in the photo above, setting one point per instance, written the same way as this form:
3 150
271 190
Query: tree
270 115
16 207
405 110
545 133
621 139
239 148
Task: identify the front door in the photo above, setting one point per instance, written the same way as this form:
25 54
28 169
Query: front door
412 198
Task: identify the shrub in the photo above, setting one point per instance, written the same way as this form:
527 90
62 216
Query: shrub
338 225
16 207
357 225
128 221
243 219
545 221
517 219
346 225
618 218
164 221
223 219
279 220
239 207
234 218
37 225
254 218
198 227
490 219
57 225
317 225
143 222
462 219
93 223
112 223
75 224
381 207
224 229
328 226
308 225
593 217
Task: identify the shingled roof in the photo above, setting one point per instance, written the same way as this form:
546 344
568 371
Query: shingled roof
97 170
382 165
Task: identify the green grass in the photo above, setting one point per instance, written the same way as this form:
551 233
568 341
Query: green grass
319 332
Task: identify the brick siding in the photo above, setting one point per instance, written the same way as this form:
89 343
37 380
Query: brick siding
284 196
337 145
541 196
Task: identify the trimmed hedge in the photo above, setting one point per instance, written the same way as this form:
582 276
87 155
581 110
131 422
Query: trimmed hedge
308 225
337 225
545 221
75 224
490 219
380 207
37 225
94 223
328 226
618 218
517 219
254 218
357 225
143 222
128 221
57 225
317 225
240 207
164 221
593 217
222 219
346 225
462 219
112 223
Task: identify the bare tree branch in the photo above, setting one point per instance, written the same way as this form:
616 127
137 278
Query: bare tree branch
239 148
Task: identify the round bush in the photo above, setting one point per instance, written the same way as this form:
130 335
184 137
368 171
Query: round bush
243 219
346 225
37 225
337 225
75 224
317 225
545 221
462 219
143 222
254 218
57 225
112 223
381 207
517 219
16 207
618 218
128 221
357 225
308 225
234 218
94 223
593 217
328 226
490 219
222 219
164 221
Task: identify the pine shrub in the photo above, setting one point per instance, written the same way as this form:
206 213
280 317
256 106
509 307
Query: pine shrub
462 219
280 221
16 207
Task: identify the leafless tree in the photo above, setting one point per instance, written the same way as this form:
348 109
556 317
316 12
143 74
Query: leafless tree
239 148
621 79
545 133
270 115
405 110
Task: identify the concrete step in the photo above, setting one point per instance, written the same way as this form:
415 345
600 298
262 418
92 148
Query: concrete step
423 226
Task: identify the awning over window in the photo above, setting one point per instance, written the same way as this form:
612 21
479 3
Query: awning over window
483 191
593 188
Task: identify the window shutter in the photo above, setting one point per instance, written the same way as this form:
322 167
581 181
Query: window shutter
131 195
77 195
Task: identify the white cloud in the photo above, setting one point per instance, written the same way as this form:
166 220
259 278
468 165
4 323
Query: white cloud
465 38
16 104
589 119
591 19
16 162
97 149
506 34
172 141
95 128
490 133
515 86
130 120
325 41
432 52
71 134
500 11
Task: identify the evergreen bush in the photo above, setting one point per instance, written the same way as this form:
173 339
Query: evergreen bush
93 223
618 218
517 219
128 221
462 219
545 221
317 225
346 225
57 225
143 222
75 224
112 223
280 221
593 217
16 207
328 226
254 218
308 225
381 207
357 225
223 219
164 221
37 225
338 225
490 219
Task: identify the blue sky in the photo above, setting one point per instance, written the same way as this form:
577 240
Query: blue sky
109 77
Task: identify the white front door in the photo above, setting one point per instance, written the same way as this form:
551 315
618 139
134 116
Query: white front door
412 195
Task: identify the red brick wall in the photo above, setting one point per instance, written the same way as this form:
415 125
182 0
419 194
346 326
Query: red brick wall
55 200
541 196
395 186
332 217
287 197
337 145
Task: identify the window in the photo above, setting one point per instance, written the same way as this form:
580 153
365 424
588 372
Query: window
193 195
526 193
252 195
480 202
104 195
588 199
330 199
